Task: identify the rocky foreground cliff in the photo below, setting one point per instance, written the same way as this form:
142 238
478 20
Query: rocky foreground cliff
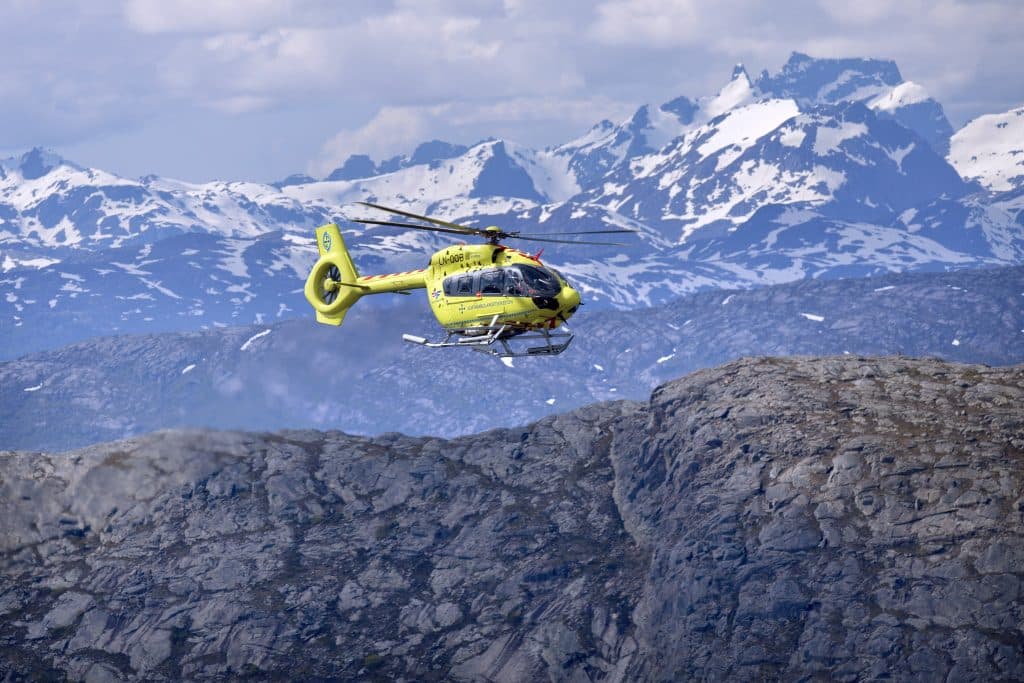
842 518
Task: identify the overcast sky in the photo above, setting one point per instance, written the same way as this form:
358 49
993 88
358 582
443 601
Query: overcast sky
260 89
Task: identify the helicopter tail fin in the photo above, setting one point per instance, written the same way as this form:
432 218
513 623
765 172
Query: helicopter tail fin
331 287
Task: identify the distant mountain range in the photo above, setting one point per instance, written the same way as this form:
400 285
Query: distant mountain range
828 168
363 379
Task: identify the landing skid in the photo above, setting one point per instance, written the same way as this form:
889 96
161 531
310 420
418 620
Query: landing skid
483 339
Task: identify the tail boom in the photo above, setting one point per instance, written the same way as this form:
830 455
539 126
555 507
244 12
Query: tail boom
334 284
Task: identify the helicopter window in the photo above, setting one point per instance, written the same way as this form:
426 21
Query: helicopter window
459 285
492 282
516 280
539 281
514 283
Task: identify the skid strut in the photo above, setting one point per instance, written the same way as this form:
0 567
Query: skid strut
501 340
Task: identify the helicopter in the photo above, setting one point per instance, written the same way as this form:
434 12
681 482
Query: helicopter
487 297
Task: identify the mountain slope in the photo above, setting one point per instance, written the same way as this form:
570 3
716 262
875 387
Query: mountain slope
989 149
769 519
300 374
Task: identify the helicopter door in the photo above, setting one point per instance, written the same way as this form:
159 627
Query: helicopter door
514 284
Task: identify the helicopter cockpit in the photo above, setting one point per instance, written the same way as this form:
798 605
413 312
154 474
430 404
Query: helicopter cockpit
514 280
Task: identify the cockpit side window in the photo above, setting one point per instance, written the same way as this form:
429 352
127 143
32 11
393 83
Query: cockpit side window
515 280
459 285
492 282
540 282
514 283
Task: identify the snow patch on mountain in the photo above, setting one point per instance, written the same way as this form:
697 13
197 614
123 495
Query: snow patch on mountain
550 172
829 138
737 92
743 127
11 263
425 187
902 95
250 340
990 149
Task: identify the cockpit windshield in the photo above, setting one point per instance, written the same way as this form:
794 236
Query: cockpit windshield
541 280
514 280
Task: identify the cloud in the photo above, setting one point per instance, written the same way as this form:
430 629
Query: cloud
401 58
396 130
529 68
63 76
650 23
206 16
391 131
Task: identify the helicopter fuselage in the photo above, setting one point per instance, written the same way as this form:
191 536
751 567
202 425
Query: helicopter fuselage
467 285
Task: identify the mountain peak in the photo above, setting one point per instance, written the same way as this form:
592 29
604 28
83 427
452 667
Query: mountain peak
683 107
294 179
436 150
39 161
798 60
356 166
829 80
500 174
737 92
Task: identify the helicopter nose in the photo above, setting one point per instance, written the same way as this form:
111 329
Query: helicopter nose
574 298
570 301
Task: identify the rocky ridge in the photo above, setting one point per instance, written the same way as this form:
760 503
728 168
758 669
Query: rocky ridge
844 518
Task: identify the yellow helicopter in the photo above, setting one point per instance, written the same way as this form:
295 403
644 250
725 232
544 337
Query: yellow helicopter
487 297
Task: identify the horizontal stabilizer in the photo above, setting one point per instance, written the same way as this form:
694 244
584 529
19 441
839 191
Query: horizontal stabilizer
330 319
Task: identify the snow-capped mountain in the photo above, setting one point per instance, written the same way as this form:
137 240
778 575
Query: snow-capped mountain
362 166
990 149
49 204
828 168
840 161
607 146
876 83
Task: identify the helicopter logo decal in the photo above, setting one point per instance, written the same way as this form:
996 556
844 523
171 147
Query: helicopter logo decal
327 241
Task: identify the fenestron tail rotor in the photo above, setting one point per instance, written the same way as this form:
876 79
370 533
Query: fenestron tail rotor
328 293
492 234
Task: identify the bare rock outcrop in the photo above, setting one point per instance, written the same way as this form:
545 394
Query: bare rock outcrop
838 518
797 518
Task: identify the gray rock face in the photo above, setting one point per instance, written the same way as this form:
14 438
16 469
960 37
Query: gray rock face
841 518
832 518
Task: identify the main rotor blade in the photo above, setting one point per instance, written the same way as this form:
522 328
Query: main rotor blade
542 239
432 228
575 232
436 221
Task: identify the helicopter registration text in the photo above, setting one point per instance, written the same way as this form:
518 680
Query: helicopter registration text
449 258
